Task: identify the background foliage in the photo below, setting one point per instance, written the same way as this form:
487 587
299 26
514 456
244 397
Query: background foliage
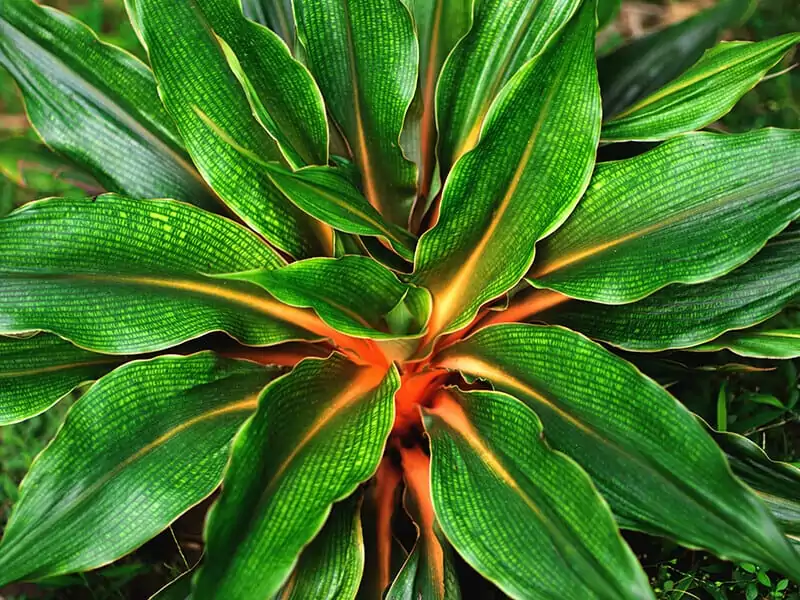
757 398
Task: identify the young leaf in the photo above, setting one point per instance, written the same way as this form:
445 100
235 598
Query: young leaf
352 294
286 99
512 188
318 433
145 444
439 24
692 209
368 86
554 536
429 571
325 194
275 14
36 372
504 36
330 567
680 316
640 68
702 94
648 456
96 104
67 269
758 342
195 80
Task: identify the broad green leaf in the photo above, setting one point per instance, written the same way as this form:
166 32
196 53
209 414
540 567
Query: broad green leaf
285 98
330 567
439 24
679 316
512 189
702 94
640 68
649 457
275 14
96 104
352 294
31 165
329 197
368 87
195 80
36 372
143 445
428 572
692 209
758 342
65 267
554 536
318 433
505 34
776 483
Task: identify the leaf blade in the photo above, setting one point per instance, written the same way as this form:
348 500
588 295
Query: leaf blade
100 451
637 442
345 416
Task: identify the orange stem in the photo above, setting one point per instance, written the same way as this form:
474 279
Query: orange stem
523 307
387 481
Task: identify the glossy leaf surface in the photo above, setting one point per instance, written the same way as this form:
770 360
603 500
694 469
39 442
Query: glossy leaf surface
318 433
194 82
512 189
145 444
702 94
758 342
36 372
690 210
537 545
680 316
325 194
66 269
640 68
504 36
96 104
331 566
363 55
285 98
650 459
352 294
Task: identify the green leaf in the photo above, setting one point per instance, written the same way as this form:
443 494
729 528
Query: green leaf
368 88
318 433
145 444
38 371
777 483
512 189
330 567
194 79
275 14
758 343
439 24
32 166
285 98
66 267
690 210
647 64
702 94
429 571
96 104
648 456
504 36
680 316
325 194
352 294
554 536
